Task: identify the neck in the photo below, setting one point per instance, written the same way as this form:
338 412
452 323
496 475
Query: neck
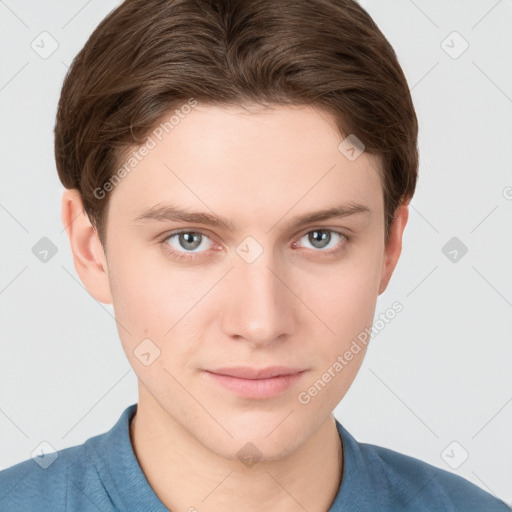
186 475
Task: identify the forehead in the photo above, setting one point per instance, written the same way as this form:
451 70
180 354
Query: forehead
247 161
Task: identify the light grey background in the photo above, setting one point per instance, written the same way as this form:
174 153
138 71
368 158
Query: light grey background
438 373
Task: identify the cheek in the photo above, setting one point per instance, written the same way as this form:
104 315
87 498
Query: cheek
146 293
136 298
347 310
150 313
156 302
345 296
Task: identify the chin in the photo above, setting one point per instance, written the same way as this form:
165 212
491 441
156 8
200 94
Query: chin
271 435
252 450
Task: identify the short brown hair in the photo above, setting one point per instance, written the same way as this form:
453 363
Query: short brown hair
148 57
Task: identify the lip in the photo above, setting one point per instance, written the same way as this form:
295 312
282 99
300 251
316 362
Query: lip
248 372
251 382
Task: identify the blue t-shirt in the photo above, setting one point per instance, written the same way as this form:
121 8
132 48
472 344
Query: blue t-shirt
103 474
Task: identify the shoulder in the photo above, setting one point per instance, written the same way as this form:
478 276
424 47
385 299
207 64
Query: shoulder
70 479
416 485
377 478
39 483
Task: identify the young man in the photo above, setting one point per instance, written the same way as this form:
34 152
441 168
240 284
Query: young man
238 176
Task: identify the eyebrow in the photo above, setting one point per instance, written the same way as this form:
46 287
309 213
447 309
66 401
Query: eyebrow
169 212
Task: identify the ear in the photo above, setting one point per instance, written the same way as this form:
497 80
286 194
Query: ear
88 254
393 247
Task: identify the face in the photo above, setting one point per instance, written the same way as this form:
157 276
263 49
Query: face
260 289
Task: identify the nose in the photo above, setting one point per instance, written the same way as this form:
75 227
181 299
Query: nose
259 305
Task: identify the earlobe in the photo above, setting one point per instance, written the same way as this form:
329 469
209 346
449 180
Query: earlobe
88 254
393 247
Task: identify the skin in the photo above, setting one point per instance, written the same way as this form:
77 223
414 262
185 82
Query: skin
294 305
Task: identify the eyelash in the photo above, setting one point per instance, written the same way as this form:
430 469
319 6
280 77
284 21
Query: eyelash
192 255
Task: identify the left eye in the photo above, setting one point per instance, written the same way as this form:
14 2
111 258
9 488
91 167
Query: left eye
321 238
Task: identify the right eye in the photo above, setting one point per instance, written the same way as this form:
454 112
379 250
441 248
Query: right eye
184 243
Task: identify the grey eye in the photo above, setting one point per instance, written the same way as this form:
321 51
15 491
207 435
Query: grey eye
186 241
320 238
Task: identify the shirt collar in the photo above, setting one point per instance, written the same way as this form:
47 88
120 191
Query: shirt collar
355 492
133 488
136 493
